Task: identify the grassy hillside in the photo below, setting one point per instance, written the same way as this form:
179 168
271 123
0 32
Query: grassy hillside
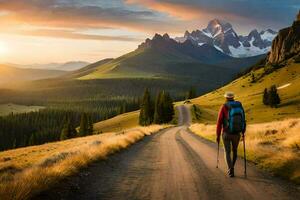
158 64
118 123
152 63
287 79
272 136
123 121
87 69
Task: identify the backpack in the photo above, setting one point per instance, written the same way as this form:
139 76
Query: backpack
236 117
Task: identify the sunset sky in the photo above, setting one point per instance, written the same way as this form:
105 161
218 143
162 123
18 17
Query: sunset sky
43 31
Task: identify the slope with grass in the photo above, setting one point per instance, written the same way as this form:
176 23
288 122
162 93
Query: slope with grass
118 123
272 133
287 80
164 58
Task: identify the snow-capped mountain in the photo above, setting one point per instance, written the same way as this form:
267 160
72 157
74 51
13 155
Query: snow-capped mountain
221 35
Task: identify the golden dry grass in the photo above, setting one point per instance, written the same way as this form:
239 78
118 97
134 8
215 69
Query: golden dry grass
118 123
274 146
27 171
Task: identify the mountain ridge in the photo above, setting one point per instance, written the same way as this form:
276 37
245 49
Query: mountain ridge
221 35
163 56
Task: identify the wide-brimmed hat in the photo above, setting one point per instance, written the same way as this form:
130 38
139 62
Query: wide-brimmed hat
229 95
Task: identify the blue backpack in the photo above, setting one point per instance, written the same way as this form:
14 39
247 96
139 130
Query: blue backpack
236 117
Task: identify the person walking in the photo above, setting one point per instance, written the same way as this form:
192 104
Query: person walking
231 123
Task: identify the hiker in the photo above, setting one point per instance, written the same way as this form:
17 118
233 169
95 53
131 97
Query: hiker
231 122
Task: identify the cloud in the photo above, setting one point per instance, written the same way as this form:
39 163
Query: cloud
276 13
181 10
69 34
148 16
55 13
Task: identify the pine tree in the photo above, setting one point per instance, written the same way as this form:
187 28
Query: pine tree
191 93
168 108
274 98
72 129
146 112
83 129
123 108
65 132
14 144
68 130
90 126
252 78
32 139
277 99
158 114
266 97
164 109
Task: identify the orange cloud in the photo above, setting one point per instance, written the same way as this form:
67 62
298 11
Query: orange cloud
189 13
182 11
74 35
47 13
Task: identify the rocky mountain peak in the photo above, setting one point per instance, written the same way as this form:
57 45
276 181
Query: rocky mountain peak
254 33
157 37
217 26
298 16
268 31
286 44
166 36
222 36
186 34
159 41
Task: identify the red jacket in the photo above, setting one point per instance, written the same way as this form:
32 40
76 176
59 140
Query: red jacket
223 115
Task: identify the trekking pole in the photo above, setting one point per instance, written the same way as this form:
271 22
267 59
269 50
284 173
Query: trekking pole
245 160
218 155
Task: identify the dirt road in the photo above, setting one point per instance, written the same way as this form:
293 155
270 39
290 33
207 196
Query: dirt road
172 164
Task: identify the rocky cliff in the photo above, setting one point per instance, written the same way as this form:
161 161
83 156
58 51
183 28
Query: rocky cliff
286 44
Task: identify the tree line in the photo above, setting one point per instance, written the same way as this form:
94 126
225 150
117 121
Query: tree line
60 119
86 127
158 111
58 123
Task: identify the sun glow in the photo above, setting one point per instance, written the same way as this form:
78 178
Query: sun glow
3 48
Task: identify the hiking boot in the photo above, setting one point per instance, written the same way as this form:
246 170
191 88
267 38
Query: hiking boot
231 172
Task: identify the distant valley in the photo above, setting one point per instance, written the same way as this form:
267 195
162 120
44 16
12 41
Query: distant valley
10 74
64 66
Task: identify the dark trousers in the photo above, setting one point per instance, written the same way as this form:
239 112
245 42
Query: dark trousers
231 143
